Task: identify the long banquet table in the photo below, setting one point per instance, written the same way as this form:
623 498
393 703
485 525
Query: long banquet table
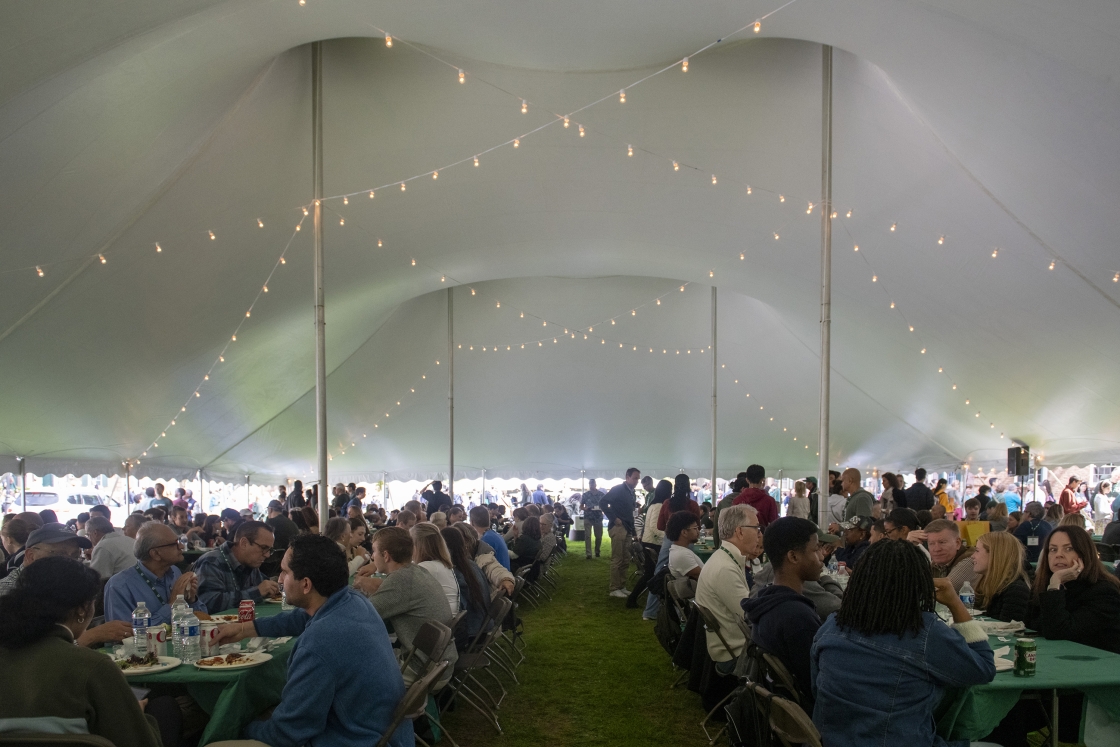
232 699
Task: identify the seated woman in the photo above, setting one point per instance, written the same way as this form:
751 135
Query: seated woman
496 574
310 519
474 589
50 684
361 542
1002 592
548 536
997 517
429 551
526 544
1075 598
880 665
520 514
1073 520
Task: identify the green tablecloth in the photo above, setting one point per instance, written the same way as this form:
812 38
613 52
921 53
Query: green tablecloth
232 699
973 712
703 551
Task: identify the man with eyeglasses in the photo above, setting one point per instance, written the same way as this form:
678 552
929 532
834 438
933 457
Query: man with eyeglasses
154 580
50 539
231 572
722 585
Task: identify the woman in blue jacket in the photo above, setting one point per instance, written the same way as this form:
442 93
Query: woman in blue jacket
881 663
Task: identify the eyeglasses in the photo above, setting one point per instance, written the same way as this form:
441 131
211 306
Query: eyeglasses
750 526
169 544
264 548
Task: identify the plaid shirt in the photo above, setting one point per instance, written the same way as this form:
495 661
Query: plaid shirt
9 582
223 582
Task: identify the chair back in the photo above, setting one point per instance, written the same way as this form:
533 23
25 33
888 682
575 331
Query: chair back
1108 553
780 675
414 703
712 624
787 719
431 640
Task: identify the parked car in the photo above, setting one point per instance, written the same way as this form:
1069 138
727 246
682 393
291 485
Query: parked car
67 503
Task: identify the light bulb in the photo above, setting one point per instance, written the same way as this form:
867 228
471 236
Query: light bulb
102 258
305 211
713 178
303 2
476 160
544 324
940 370
566 122
874 278
776 237
684 65
345 200
197 394
612 322
912 329
757 26
622 97
499 304
247 314
388 40
1051 264
781 198
849 213
371 194
590 329
954 387
39 270
462 76
630 150
524 106
682 289
472 291
516 143
659 302
260 223
967 402
265 289
940 240
633 312
1116 278
892 304
581 133
923 351
809 210
711 273
742 255
991 425
977 414
435 174
443 278
856 248
297 229
234 338
748 190
894 226
221 359
403 187
158 248
342 221
833 216
379 243
676 166
995 253
522 314
414 263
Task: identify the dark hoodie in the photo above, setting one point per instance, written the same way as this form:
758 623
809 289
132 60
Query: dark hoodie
784 623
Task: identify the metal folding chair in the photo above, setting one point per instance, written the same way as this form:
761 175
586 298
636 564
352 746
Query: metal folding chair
414 704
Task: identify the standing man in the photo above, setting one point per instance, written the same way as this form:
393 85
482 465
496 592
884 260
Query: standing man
918 496
283 528
230 573
438 500
755 495
540 497
618 507
860 502
592 518
1068 498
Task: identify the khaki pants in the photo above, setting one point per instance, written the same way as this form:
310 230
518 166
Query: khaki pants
592 526
620 557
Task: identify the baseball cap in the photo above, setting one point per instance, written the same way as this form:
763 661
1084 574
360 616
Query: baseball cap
275 506
247 513
50 533
827 539
231 513
857 522
811 479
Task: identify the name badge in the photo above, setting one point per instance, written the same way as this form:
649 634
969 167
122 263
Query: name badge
1032 541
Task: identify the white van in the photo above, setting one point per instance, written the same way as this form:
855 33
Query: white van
67 503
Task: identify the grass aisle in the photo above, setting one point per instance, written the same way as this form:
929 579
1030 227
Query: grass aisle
595 675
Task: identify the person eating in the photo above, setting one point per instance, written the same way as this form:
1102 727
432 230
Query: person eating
231 573
154 580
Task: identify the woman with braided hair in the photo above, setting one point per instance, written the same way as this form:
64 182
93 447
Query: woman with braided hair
880 664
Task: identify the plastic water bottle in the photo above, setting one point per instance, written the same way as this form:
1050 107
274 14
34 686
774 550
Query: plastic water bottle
141 618
833 566
284 606
188 636
968 596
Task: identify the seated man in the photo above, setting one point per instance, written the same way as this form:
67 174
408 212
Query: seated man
683 529
407 597
154 580
327 699
722 584
231 572
1033 530
857 538
950 558
113 551
480 520
178 520
972 510
783 619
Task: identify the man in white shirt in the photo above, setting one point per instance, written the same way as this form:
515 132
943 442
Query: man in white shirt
722 584
112 550
683 530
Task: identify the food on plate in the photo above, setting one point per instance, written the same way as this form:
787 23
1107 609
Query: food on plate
135 662
224 618
223 661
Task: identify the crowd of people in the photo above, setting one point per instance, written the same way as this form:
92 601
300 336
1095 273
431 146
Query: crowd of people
851 608
365 573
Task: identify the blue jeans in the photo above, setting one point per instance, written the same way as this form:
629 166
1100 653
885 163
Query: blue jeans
653 603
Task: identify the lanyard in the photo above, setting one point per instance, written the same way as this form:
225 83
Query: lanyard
229 565
728 554
151 586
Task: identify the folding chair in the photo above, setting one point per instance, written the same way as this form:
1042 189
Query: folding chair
482 700
431 640
712 624
414 704
787 719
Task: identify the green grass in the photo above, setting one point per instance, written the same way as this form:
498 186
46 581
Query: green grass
595 675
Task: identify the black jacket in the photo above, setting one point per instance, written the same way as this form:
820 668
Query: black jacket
918 497
1081 612
619 503
784 623
1010 604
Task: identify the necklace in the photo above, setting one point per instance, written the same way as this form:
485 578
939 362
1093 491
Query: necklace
151 586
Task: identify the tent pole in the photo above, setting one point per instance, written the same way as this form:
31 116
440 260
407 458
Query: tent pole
451 393
826 280
127 487
714 369
320 311
201 491
23 484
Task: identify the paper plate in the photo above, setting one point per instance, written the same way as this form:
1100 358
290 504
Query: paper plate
246 662
1004 665
165 663
995 627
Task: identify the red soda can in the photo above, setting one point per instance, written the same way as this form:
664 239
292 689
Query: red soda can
247 612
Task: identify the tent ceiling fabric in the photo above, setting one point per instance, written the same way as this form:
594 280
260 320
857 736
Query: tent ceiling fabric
127 124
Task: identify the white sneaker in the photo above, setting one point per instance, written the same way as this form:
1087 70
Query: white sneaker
620 594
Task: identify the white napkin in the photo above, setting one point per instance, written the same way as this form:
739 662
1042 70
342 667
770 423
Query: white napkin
1003 665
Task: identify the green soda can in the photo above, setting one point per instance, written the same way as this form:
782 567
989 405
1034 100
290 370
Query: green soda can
1026 653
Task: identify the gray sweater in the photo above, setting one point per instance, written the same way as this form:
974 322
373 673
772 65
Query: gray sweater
408 598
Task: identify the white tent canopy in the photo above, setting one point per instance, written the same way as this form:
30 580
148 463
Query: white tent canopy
127 124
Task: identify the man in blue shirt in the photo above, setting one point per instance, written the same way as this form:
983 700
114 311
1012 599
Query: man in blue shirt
1010 498
480 520
154 580
539 496
327 700
231 572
